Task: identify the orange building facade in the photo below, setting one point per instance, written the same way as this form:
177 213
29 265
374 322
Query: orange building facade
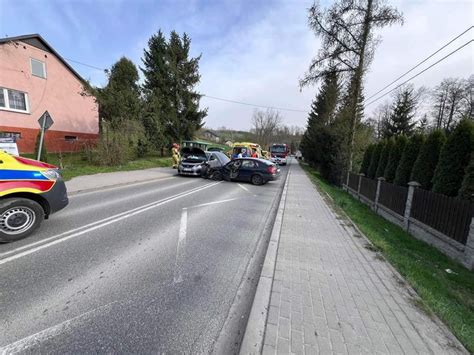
34 78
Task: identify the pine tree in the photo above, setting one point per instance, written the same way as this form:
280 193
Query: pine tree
317 142
403 111
346 30
394 158
374 161
454 158
366 160
120 100
425 164
170 80
410 153
423 124
383 161
467 188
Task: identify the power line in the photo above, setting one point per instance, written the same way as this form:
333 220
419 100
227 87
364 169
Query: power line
421 72
254 105
420 63
84 64
209 96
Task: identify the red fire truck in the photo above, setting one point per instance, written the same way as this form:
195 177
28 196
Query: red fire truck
279 153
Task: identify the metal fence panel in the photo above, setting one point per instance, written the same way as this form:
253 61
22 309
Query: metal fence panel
368 188
393 197
353 181
451 216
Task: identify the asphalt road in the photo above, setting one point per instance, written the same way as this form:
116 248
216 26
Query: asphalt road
150 267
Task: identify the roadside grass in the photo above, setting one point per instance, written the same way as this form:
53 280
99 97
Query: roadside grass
74 165
449 295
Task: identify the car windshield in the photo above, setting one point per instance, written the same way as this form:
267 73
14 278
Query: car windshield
278 149
224 159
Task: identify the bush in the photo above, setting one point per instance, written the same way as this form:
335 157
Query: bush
374 161
467 188
410 153
453 159
394 158
425 164
384 158
142 148
366 160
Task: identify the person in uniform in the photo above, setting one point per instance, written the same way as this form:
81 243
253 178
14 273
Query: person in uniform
175 154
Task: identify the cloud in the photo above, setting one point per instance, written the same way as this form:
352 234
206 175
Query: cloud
260 63
428 26
252 51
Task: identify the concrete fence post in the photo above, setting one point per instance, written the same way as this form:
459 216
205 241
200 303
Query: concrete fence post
412 185
358 185
377 193
469 250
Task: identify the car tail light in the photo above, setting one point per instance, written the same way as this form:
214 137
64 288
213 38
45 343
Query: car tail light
272 169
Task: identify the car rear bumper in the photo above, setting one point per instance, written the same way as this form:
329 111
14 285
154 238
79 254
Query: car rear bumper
57 196
272 177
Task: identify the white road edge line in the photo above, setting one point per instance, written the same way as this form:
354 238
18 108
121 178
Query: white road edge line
48 333
181 247
106 222
42 241
243 187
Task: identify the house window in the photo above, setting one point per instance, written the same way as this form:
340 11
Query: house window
70 138
17 100
15 135
38 68
13 100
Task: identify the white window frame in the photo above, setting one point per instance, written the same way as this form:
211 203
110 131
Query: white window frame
44 68
7 101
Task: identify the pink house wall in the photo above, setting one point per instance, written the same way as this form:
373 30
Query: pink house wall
59 93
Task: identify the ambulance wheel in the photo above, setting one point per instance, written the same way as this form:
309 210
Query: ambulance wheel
19 217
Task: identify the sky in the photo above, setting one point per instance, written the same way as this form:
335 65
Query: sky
253 51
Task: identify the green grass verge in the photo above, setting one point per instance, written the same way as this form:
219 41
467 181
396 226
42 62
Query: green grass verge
450 296
73 164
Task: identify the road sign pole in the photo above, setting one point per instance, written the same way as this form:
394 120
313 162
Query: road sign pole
41 139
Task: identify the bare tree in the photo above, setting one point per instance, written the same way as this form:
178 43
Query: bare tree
348 43
469 98
451 101
265 125
379 120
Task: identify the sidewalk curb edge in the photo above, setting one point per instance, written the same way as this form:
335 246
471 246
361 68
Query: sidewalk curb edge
252 342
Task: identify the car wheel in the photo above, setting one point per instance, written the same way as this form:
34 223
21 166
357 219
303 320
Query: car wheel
216 175
19 217
257 180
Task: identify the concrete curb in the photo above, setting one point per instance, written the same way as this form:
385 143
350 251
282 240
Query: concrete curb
252 342
105 187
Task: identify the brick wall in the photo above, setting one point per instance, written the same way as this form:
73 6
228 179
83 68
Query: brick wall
55 140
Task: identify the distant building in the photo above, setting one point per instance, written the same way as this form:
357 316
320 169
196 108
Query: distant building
210 135
34 78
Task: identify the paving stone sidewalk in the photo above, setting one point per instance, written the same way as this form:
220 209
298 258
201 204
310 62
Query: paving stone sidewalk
332 294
